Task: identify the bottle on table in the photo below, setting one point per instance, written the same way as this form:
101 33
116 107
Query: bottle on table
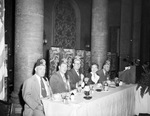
105 84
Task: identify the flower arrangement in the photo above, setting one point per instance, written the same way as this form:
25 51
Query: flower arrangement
144 84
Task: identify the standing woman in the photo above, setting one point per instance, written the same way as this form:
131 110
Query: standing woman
92 76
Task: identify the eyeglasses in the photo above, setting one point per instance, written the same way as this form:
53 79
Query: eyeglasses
78 63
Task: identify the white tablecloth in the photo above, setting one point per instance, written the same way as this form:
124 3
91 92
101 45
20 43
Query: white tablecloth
118 101
142 105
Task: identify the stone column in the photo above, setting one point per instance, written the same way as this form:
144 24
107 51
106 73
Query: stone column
99 40
136 35
28 41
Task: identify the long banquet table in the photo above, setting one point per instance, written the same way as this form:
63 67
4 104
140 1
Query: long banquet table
119 101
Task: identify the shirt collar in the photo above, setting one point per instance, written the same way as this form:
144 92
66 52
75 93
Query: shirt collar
104 72
62 74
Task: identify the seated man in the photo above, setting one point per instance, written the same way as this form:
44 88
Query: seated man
34 89
103 73
145 67
58 81
128 75
74 74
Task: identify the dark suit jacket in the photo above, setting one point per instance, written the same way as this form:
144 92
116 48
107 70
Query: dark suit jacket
74 78
102 76
57 84
31 96
139 71
128 76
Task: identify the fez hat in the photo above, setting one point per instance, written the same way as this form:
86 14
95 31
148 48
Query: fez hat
77 58
40 62
63 61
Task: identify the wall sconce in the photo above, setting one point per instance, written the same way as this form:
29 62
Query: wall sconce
87 45
44 38
44 41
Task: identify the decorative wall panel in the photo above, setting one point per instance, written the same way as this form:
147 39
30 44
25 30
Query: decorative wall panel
87 63
54 56
81 54
57 53
64 25
69 55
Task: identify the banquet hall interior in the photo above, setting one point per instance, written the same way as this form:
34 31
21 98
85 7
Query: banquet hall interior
118 30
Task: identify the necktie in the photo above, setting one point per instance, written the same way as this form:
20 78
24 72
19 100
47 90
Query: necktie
77 72
43 90
66 81
68 85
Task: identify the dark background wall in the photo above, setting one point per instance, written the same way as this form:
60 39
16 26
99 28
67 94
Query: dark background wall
145 31
9 38
85 34
114 12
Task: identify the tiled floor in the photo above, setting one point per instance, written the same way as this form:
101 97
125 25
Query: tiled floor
15 115
134 115
144 114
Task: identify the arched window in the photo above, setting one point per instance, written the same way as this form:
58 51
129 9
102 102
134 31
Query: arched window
66 24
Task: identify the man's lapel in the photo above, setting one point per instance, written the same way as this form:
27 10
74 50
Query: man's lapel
60 77
49 87
76 75
36 84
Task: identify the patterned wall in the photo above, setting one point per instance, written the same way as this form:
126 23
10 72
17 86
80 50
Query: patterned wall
64 25
57 53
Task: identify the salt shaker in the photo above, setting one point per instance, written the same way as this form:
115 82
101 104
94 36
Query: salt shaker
72 96
105 86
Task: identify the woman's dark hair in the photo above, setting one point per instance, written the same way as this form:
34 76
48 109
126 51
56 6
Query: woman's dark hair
94 64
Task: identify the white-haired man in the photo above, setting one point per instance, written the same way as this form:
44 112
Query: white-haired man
35 89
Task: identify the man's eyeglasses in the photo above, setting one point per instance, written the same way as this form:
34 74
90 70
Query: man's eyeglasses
78 63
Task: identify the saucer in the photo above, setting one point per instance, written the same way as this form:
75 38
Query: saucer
87 97
57 100
105 90
112 86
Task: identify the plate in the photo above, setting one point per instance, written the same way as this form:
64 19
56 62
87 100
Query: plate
87 97
106 91
56 99
112 86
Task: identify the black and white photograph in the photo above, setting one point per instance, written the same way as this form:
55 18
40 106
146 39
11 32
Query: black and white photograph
74 57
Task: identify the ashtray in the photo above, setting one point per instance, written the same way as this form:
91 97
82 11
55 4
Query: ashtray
87 97
98 90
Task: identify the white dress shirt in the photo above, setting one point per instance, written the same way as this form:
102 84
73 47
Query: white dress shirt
94 77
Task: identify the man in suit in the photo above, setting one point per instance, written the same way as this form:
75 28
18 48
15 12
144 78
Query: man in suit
35 89
59 81
141 70
103 73
74 74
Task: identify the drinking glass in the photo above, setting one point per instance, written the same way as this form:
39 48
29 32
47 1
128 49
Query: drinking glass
78 87
87 93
